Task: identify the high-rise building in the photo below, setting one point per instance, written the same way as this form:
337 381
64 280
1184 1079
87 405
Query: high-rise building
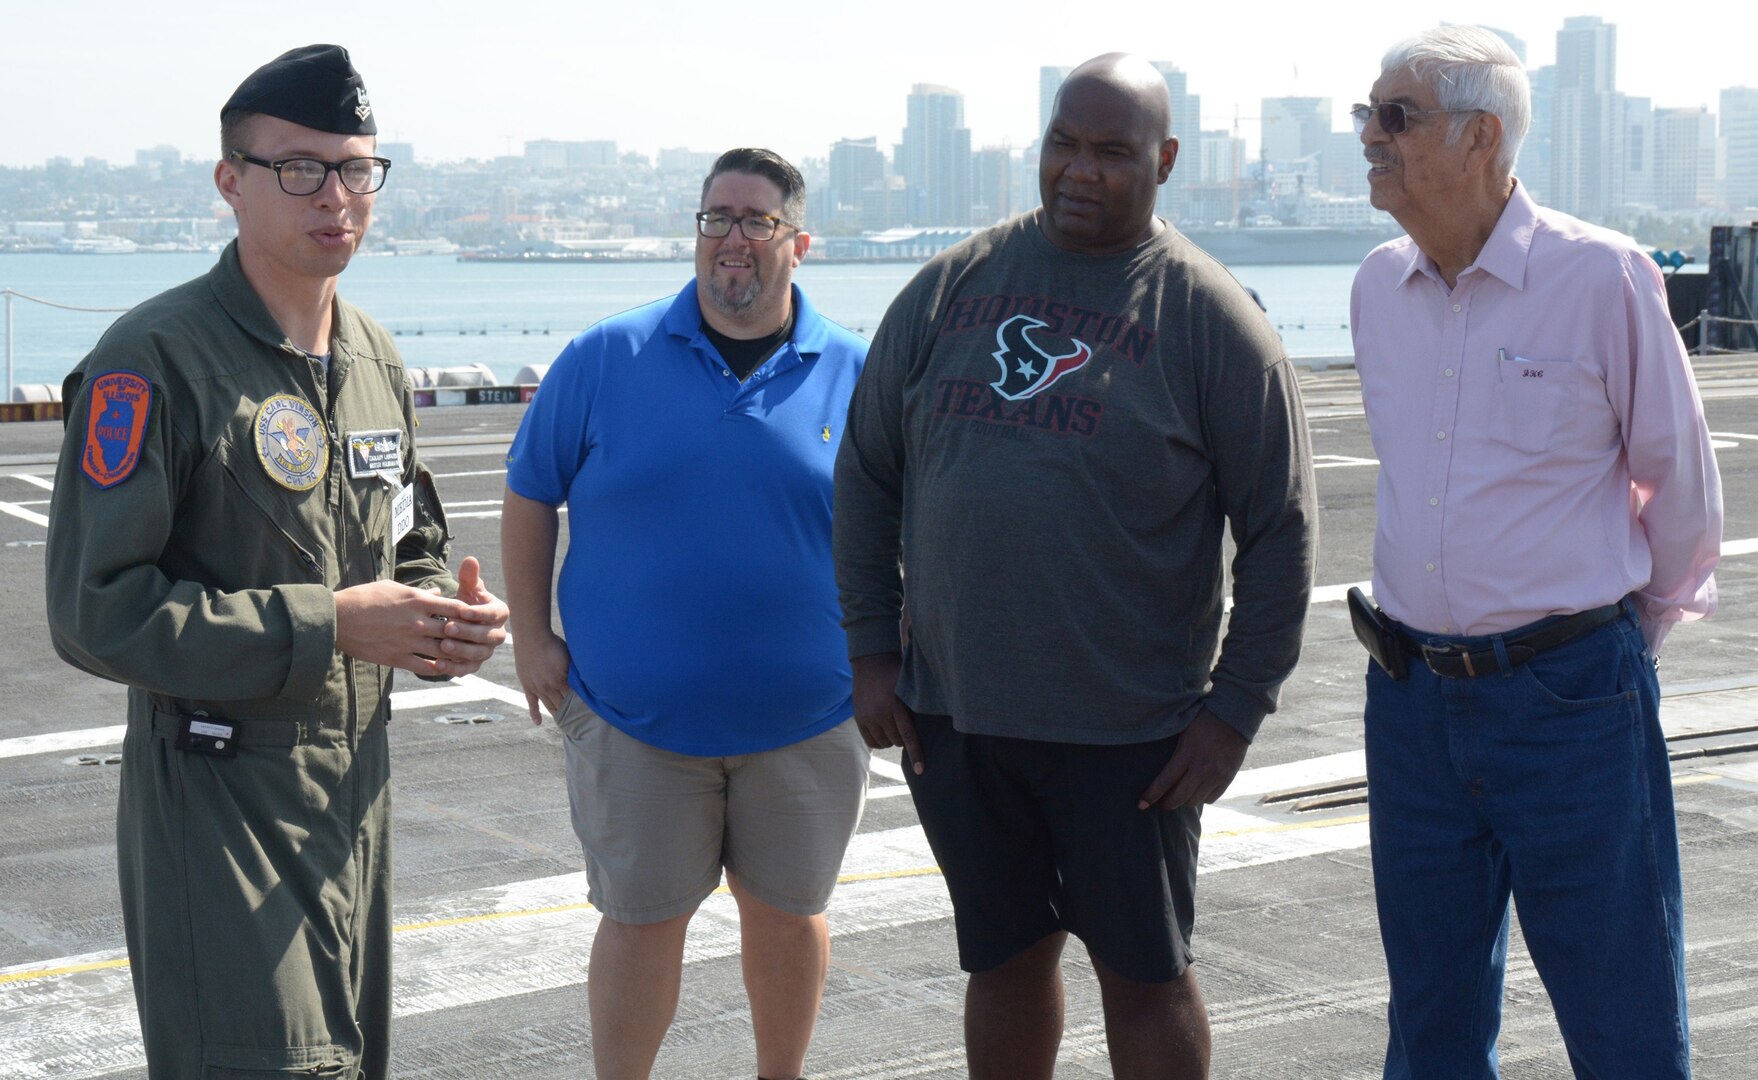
855 164
935 157
882 204
1587 54
1534 166
1222 159
1342 168
1211 191
1638 159
992 184
1295 128
1587 124
400 153
1684 176
1739 136
1049 81
1187 126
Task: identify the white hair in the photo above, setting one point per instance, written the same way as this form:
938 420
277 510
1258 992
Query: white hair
1469 67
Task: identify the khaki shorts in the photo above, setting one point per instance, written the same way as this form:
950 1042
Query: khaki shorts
657 827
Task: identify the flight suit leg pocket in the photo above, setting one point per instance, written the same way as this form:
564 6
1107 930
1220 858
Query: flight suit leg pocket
265 1063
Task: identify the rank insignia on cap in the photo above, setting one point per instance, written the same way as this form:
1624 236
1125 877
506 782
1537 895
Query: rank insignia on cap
315 86
290 441
115 427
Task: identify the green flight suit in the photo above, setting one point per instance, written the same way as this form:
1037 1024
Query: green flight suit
183 562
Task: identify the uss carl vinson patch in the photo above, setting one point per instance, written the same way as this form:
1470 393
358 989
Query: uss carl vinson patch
290 442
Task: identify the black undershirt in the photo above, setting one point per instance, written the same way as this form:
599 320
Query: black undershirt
745 355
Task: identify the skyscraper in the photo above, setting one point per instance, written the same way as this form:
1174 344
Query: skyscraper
854 165
1534 166
1187 126
935 157
1049 81
1295 128
1342 167
1684 177
1587 124
1638 159
992 184
1739 130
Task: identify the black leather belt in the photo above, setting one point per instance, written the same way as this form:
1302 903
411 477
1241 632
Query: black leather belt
1458 662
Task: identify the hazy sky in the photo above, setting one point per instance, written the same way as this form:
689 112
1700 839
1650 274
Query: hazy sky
103 78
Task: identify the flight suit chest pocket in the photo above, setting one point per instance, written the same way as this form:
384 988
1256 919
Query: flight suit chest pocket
267 535
1535 402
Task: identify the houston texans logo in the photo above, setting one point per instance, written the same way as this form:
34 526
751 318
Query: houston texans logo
1027 369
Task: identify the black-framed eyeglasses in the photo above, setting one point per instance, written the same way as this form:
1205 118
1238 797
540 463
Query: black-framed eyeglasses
755 226
1394 118
304 176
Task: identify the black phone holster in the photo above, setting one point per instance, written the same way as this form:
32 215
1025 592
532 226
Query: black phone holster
1375 633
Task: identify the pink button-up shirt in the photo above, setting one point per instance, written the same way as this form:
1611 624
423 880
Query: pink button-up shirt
1542 445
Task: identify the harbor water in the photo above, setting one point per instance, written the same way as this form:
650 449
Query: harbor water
506 316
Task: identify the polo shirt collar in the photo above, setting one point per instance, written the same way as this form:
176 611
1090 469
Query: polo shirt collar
1505 253
811 336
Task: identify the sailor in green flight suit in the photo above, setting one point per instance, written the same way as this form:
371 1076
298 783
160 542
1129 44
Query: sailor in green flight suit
241 532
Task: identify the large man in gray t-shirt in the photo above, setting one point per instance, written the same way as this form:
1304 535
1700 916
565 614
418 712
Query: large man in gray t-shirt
1057 420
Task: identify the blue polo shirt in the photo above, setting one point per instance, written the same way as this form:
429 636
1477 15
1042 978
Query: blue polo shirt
697 595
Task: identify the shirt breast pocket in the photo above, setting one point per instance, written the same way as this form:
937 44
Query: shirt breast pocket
1535 402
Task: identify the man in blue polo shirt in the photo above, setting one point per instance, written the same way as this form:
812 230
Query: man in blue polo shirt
701 679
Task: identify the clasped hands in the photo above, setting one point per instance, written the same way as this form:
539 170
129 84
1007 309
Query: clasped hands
418 630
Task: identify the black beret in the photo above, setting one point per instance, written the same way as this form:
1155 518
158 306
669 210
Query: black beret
315 87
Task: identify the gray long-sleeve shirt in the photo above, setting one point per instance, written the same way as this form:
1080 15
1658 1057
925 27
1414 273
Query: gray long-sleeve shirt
1052 443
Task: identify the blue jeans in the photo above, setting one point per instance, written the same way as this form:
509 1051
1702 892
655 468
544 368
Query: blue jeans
1549 782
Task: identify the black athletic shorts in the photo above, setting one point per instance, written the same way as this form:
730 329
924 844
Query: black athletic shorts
1036 837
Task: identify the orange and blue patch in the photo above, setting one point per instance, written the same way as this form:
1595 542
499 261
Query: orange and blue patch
115 427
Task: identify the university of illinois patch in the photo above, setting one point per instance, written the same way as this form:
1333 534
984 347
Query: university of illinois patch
290 441
115 427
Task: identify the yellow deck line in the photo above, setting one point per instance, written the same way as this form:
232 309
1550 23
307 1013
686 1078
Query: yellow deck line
844 879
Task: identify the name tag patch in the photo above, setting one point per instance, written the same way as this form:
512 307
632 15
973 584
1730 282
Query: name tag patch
291 443
115 427
403 513
375 453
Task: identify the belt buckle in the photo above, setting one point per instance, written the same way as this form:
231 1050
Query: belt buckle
1459 652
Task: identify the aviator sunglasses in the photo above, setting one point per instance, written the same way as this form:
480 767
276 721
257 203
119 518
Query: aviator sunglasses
1394 118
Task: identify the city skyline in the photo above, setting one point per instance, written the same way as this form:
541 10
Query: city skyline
80 84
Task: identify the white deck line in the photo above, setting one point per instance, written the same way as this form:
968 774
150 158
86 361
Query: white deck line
531 936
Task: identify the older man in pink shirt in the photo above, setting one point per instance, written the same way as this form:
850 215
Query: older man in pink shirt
1549 507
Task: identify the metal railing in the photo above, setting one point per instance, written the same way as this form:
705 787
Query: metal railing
1705 324
9 294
